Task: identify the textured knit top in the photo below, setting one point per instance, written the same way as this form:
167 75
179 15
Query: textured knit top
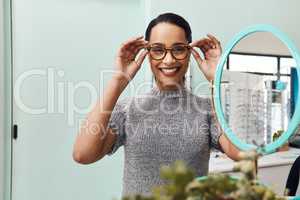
158 128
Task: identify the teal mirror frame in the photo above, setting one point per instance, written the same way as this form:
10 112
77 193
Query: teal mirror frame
269 148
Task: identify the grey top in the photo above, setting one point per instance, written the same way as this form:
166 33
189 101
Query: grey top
158 128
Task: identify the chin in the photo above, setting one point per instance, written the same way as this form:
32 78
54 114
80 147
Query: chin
170 84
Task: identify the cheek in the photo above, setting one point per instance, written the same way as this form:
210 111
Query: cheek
185 63
154 64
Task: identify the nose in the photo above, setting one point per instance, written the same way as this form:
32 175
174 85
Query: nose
168 59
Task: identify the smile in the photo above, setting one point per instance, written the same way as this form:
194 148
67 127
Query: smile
169 71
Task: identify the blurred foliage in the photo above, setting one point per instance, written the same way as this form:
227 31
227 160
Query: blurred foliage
183 185
277 134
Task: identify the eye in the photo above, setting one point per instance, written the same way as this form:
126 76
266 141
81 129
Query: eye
157 49
178 49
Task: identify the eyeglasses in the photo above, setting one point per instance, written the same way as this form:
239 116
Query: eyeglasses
159 51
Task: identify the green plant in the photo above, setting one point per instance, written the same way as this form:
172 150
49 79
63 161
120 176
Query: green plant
183 185
277 134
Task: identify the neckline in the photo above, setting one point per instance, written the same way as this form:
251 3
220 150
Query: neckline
180 92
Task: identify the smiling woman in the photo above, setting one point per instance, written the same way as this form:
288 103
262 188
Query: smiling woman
168 68
165 124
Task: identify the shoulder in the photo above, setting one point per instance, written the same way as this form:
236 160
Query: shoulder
202 102
123 103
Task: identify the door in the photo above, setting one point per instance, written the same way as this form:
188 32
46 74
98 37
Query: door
63 56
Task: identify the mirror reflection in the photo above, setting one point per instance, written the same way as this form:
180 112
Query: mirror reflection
257 84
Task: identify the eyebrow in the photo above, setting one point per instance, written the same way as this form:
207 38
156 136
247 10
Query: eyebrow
177 43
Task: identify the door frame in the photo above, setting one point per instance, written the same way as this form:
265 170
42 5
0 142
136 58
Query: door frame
7 64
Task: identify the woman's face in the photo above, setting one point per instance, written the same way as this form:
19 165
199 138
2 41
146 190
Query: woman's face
168 71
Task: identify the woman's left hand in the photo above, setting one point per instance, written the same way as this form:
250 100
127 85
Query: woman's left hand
211 49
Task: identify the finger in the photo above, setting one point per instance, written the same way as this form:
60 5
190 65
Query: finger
121 53
136 45
203 50
198 43
129 50
141 57
136 51
214 39
208 44
206 47
139 42
197 56
132 48
130 41
133 39
138 48
203 44
135 42
212 45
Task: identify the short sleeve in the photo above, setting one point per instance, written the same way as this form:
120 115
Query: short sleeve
215 130
117 124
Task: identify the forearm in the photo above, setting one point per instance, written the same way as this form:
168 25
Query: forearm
229 149
94 137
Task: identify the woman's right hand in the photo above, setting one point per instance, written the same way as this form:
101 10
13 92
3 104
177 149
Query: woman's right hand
126 62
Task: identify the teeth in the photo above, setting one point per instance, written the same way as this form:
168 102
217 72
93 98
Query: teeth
171 70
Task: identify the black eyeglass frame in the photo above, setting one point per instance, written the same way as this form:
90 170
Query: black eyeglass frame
168 49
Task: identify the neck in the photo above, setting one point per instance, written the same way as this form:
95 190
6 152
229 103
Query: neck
167 87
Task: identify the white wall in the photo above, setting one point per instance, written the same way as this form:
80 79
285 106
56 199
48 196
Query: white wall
226 18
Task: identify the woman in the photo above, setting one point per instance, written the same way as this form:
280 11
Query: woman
166 124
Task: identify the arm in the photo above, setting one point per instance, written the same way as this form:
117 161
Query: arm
95 140
211 49
229 149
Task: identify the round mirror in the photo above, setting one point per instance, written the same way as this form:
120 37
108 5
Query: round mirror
256 89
